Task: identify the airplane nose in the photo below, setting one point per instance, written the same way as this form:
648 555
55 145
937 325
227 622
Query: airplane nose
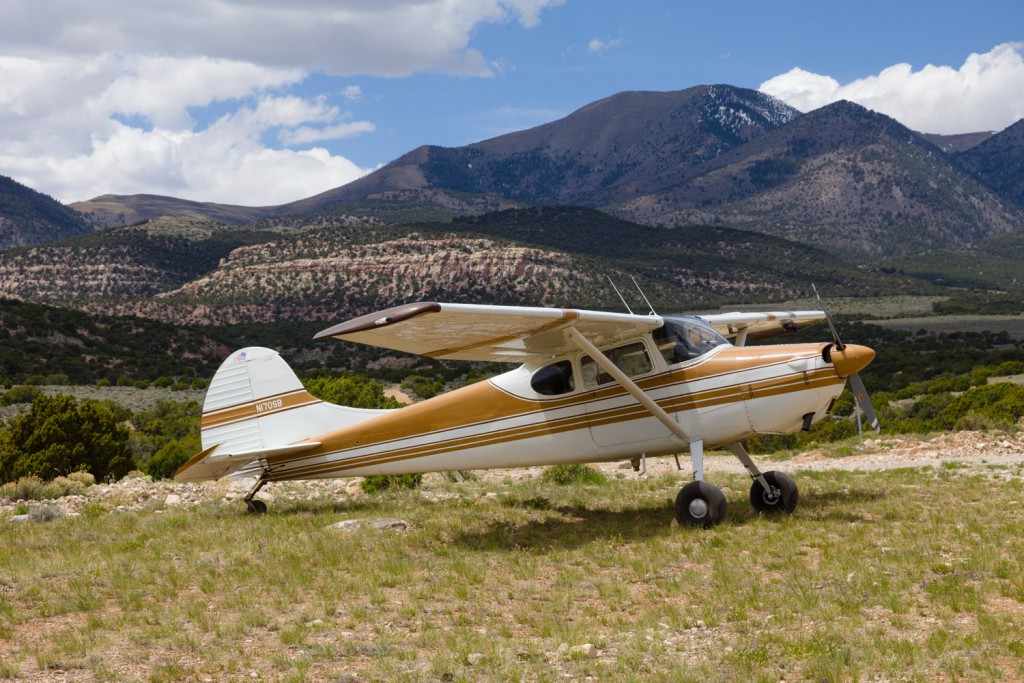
851 359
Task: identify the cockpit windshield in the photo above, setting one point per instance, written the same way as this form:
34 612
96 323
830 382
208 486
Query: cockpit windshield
684 338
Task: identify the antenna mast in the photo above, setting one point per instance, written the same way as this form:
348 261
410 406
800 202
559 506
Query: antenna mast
637 285
619 293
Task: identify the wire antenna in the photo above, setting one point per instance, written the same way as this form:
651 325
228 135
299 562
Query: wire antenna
637 285
621 298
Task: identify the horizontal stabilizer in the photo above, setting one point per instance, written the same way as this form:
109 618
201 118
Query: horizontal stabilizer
208 466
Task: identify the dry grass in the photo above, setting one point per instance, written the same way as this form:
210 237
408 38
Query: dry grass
899 575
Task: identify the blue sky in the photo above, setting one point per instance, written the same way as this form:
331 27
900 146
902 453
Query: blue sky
256 102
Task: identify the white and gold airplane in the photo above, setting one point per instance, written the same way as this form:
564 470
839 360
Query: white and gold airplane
592 387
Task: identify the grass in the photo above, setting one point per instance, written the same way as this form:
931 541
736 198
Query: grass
899 575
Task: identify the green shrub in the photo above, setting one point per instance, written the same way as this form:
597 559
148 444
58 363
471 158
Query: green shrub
34 488
24 393
997 406
25 488
172 455
424 387
60 435
64 486
564 475
354 391
83 478
375 483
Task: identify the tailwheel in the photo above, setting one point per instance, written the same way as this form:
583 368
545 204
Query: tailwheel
254 506
781 496
700 504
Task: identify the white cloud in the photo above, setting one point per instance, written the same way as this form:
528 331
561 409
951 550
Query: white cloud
352 93
597 45
227 162
98 98
382 38
305 134
985 93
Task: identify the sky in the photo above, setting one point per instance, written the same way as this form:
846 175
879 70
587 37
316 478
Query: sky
262 102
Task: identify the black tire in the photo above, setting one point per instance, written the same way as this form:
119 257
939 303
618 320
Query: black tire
786 500
700 504
256 506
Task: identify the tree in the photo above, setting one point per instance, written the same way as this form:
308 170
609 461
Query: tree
172 455
354 391
59 435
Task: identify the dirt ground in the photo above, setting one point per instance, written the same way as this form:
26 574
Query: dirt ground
968 451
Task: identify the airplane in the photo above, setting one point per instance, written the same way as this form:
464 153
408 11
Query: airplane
592 387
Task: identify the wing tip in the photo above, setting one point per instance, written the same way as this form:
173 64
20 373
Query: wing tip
373 321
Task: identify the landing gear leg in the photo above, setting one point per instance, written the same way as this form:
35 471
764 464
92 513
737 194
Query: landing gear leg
771 492
254 505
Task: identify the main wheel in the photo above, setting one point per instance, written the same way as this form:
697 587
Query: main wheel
256 506
700 504
785 494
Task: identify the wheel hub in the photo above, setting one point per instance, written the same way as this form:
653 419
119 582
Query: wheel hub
698 508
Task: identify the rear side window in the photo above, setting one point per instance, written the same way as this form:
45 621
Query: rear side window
632 359
554 379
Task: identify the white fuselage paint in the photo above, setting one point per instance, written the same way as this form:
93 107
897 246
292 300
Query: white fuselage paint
770 394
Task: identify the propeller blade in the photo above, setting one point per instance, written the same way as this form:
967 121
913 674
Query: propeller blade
860 395
835 333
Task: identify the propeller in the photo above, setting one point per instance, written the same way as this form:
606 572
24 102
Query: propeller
860 392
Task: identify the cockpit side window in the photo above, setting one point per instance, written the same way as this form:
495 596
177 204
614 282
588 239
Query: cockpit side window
632 359
681 340
554 379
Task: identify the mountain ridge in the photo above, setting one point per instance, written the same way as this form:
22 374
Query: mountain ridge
31 217
853 181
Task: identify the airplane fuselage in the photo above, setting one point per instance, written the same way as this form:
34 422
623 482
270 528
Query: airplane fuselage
504 422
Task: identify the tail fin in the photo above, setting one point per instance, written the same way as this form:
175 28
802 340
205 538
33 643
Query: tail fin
256 407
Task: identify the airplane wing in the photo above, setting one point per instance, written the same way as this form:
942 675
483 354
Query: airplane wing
487 333
761 325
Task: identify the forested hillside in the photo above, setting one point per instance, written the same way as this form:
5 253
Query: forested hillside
30 217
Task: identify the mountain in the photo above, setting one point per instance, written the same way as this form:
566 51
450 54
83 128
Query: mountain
119 264
116 210
993 265
575 160
999 162
186 271
30 217
387 206
857 183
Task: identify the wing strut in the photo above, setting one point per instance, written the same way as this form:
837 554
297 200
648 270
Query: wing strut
696 441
